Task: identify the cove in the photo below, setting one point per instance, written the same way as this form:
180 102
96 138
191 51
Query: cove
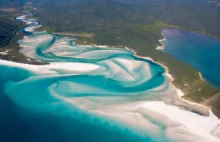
197 50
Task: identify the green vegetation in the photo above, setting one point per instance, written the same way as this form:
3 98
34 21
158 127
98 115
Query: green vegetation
7 31
8 26
46 28
9 35
157 26
85 41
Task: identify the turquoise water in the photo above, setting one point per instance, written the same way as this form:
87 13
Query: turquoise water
43 117
33 114
200 51
86 94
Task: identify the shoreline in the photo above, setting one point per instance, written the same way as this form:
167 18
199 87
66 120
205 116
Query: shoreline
191 106
87 35
196 107
166 73
200 75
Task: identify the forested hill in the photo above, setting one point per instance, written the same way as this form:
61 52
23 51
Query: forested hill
194 15
8 26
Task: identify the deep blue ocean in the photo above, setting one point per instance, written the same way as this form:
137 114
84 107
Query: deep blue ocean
199 51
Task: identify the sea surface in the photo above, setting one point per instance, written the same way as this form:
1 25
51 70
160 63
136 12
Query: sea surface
199 51
92 93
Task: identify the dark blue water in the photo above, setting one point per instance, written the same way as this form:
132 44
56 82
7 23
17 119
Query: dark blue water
200 51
